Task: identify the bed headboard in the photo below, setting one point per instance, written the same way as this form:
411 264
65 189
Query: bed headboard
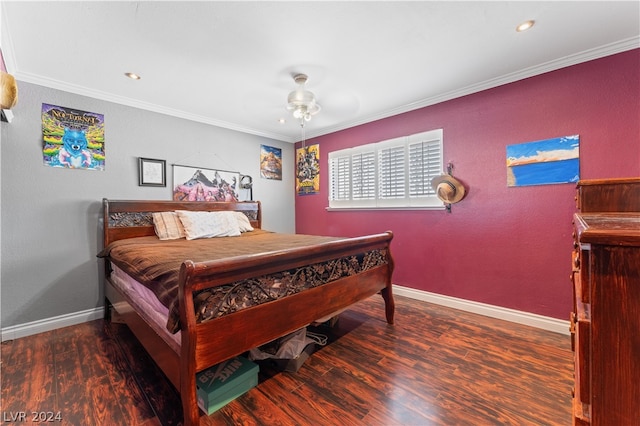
132 218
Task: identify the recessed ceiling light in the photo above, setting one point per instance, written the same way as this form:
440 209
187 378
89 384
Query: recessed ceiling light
132 75
525 26
281 121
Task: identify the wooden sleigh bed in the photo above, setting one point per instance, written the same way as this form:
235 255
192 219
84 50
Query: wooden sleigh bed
338 271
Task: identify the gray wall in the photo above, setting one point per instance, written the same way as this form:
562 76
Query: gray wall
51 228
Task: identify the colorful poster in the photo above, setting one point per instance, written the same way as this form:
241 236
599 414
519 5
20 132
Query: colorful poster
308 170
270 162
544 162
72 139
198 184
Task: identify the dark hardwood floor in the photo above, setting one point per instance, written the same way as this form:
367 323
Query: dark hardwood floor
435 366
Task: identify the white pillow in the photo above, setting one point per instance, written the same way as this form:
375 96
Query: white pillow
208 224
243 222
168 226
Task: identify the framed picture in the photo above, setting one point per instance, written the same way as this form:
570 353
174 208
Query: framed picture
549 161
199 184
270 162
151 172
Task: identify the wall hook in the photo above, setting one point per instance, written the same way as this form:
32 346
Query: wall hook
450 173
448 189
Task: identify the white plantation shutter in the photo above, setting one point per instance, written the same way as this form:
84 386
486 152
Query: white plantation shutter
340 171
395 173
425 163
363 170
391 171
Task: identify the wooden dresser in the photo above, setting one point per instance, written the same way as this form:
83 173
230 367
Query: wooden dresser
605 322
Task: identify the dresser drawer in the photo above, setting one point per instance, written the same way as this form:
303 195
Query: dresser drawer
581 341
581 265
582 359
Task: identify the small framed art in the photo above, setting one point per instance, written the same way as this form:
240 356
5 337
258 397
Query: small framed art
151 172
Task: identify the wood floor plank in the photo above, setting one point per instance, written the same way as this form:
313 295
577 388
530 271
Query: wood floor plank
288 406
101 400
320 407
254 408
26 388
22 351
395 414
145 382
72 389
436 366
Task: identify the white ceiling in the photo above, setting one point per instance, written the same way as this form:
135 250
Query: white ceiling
230 64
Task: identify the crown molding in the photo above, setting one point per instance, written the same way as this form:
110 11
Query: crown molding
567 61
123 100
588 55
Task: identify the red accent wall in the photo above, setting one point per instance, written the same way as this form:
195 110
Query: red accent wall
503 246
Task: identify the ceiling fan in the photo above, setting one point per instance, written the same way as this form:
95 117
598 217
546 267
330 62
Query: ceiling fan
301 102
272 98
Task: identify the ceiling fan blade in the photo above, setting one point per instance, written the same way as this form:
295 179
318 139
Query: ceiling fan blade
339 103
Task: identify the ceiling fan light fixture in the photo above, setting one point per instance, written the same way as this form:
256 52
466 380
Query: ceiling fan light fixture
299 112
302 102
525 26
132 75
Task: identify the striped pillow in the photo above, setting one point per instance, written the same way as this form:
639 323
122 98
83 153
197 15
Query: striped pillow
168 226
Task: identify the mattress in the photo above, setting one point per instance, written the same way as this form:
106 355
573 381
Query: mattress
156 264
146 304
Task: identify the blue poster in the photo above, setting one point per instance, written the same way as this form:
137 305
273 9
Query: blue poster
544 162
72 139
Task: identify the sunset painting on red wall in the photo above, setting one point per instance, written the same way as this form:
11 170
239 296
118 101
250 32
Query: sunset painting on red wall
544 162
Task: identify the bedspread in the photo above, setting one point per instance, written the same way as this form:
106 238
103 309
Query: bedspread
156 264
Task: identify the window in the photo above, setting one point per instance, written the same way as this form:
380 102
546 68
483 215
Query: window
395 173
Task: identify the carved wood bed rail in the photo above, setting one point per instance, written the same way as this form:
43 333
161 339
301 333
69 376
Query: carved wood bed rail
208 343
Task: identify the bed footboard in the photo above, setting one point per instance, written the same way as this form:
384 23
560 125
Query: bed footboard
254 326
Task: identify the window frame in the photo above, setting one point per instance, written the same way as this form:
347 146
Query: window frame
342 184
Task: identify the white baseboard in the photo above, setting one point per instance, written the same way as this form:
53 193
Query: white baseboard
534 320
48 324
519 317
